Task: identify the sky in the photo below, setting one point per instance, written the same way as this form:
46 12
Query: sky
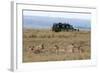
41 19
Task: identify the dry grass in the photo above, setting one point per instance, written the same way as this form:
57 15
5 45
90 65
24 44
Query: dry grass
49 39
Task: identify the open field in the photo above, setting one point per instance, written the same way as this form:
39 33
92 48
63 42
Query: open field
45 45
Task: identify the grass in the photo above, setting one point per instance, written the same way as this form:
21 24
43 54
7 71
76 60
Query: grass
32 37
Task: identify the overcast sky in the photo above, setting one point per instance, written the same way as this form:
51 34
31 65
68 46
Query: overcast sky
58 14
40 19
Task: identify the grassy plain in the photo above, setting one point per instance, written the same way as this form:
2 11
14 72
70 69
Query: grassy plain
33 37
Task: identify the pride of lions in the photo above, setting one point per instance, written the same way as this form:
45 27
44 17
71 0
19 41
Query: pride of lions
71 48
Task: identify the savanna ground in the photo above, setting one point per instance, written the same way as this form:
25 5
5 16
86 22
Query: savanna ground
56 45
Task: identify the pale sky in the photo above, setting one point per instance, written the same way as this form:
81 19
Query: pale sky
58 14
